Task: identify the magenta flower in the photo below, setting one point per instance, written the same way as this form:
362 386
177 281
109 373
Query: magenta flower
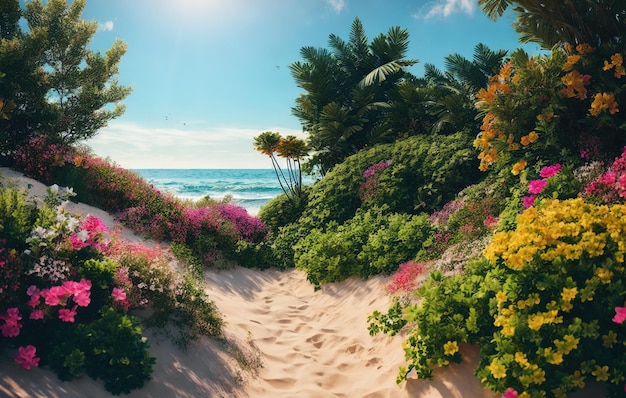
620 315
82 299
528 201
536 186
549 171
510 393
118 294
67 315
36 314
26 357
11 327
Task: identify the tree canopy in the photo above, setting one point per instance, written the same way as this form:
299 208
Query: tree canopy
61 88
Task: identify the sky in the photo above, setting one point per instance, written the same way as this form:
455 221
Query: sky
210 75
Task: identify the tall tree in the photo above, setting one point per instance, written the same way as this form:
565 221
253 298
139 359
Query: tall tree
61 88
347 89
549 22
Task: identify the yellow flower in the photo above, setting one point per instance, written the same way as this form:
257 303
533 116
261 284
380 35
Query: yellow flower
605 275
535 321
579 379
555 358
569 294
601 373
520 358
450 348
539 376
609 339
533 136
497 369
519 166
501 297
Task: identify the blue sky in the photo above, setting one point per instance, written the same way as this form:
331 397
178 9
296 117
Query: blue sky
209 75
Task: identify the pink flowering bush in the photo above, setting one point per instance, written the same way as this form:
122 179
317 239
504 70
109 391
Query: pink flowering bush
370 187
51 306
609 187
405 278
39 158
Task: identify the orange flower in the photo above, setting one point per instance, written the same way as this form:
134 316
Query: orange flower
603 101
525 141
571 61
533 136
519 166
575 85
584 48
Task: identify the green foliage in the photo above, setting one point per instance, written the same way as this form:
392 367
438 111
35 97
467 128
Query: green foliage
16 217
390 323
346 92
372 242
63 89
117 353
280 211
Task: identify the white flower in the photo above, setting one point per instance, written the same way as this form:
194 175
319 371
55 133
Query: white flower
83 235
54 189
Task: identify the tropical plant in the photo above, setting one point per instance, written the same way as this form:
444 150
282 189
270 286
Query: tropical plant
293 150
548 23
347 90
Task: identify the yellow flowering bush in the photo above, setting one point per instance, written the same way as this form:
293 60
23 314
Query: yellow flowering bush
553 313
541 304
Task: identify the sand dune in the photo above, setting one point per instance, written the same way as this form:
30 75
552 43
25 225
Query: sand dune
310 343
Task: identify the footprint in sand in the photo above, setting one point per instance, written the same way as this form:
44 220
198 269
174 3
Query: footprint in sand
354 348
316 340
373 361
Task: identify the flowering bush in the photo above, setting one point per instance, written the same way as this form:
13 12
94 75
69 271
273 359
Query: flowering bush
369 188
52 302
538 107
544 305
609 187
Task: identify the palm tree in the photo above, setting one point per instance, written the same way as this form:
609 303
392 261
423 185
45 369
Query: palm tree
550 22
347 89
453 92
293 150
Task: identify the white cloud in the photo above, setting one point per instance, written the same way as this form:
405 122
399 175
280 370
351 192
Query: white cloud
337 5
133 146
105 26
444 8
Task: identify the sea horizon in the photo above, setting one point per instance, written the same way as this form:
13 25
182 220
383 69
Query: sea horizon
250 188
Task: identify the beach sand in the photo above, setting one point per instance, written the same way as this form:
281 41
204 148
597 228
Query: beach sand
309 343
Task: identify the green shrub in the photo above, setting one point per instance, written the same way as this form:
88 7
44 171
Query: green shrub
117 353
372 242
281 211
16 217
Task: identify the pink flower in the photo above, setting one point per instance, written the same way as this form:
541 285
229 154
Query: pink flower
67 315
549 171
510 393
26 357
33 291
490 221
620 315
118 294
55 295
536 186
36 314
11 327
528 201
82 299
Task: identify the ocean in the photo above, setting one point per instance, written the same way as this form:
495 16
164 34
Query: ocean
248 188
